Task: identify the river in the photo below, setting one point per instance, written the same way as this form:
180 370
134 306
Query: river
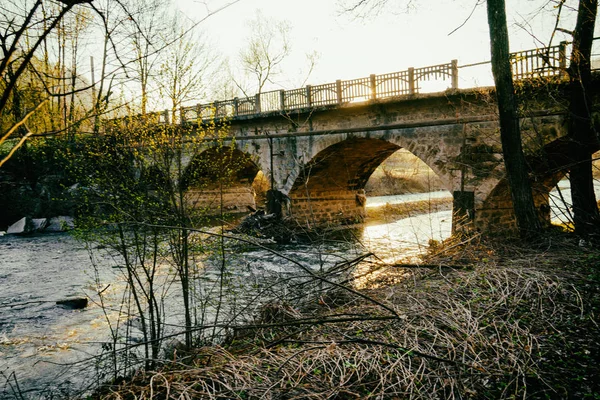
42 343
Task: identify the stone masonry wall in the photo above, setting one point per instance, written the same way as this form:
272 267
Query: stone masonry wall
235 199
497 214
328 207
455 132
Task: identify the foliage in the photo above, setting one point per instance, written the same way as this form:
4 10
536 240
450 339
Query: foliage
143 187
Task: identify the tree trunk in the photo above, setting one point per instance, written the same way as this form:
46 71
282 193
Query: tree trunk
514 160
584 140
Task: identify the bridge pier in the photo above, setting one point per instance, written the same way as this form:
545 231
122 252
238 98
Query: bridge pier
463 210
328 207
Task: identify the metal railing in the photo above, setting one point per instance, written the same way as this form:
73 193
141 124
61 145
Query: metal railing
538 63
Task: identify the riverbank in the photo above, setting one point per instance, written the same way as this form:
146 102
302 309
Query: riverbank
393 212
477 319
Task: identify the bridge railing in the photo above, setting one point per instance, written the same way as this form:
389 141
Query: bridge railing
528 64
336 93
540 63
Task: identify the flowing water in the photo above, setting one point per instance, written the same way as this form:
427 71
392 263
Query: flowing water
43 346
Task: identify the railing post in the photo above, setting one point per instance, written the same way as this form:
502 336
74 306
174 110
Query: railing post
411 80
562 58
216 107
338 90
454 70
309 95
166 114
373 81
257 103
198 114
236 107
282 100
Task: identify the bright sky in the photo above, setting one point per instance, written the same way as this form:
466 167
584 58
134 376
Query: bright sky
350 47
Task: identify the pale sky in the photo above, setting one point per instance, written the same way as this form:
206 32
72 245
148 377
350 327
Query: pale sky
350 47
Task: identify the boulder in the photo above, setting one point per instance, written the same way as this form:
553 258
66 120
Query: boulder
38 224
74 303
21 227
60 224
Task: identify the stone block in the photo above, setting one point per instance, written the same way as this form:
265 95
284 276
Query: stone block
21 227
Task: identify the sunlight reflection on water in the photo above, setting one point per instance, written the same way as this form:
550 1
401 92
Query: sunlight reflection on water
407 238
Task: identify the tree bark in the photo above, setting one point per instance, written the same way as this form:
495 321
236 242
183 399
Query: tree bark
584 139
528 222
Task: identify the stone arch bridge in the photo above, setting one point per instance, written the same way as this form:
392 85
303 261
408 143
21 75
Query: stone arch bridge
319 145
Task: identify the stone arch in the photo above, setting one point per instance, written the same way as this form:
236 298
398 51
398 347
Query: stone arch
220 178
497 214
549 166
428 144
330 187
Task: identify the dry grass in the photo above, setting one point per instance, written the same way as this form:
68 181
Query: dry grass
479 321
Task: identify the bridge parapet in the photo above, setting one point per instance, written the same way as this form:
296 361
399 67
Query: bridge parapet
329 94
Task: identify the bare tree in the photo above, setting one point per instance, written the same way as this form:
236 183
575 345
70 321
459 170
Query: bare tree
149 24
21 39
187 65
113 19
267 47
365 8
510 134
584 138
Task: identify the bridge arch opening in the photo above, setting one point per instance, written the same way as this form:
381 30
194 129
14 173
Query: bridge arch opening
497 214
550 188
402 173
220 179
334 185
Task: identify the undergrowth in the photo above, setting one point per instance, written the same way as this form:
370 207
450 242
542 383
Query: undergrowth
477 320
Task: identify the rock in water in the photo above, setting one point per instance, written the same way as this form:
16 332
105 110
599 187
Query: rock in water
74 303
38 224
60 224
21 227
